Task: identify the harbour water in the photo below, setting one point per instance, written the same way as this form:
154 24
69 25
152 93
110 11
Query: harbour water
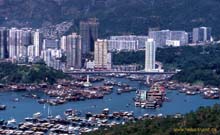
26 107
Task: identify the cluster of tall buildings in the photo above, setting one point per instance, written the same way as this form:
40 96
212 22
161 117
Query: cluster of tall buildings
27 45
65 53
18 44
72 51
164 38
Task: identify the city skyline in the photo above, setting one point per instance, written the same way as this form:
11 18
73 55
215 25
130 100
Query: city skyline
109 67
28 45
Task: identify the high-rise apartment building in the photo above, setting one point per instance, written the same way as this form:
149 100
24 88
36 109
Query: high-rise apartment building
23 40
73 51
127 43
52 58
50 44
31 51
201 34
3 43
102 57
63 43
37 41
18 41
161 37
89 34
150 55
12 42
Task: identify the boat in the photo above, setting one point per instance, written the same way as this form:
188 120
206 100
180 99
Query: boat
18 88
119 91
146 115
16 100
87 83
105 111
37 115
143 105
137 104
2 107
190 92
211 95
29 119
120 75
88 115
11 121
71 112
160 115
58 117
2 122
42 101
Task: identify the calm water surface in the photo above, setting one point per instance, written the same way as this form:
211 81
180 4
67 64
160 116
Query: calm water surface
26 107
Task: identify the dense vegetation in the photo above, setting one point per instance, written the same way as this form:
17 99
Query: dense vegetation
198 122
200 64
126 58
116 16
12 73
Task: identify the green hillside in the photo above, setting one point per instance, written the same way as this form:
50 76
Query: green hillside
116 16
38 73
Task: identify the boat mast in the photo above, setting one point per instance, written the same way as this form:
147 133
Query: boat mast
87 80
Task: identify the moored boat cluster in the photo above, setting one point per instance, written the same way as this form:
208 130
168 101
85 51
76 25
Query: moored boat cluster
152 98
207 92
71 123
